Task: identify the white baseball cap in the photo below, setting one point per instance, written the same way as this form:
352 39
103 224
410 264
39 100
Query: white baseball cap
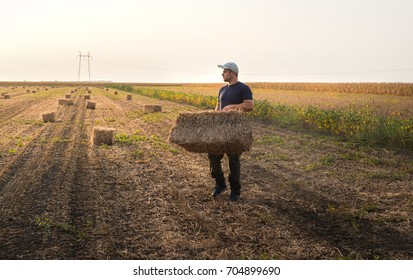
229 65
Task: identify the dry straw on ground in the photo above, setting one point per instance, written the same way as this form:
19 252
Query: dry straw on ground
152 108
102 135
65 102
49 117
214 132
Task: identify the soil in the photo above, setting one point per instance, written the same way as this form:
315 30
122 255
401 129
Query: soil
304 196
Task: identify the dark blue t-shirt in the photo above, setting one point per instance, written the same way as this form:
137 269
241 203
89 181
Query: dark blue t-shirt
234 94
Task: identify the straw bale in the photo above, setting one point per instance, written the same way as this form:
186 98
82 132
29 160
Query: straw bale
89 91
91 105
129 97
49 117
214 132
116 92
152 108
7 96
102 135
68 96
65 102
87 96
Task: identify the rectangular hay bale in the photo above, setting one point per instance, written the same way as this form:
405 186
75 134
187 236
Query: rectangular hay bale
102 135
152 108
87 96
91 105
214 132
49 117
65 102
128 97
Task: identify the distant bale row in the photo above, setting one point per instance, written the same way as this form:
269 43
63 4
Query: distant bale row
213 132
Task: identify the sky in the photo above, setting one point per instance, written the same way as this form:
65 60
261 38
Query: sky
183 41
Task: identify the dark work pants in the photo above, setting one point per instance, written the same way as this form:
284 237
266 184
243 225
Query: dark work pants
234 171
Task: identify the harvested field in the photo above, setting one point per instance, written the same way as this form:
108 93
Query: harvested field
305 195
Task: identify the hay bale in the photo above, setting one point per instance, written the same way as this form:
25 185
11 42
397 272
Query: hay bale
102 135
87 96
116 93
68 96
33 91
49 117
65 102
214 132
7 96
89 91
91 105
129 97
152 108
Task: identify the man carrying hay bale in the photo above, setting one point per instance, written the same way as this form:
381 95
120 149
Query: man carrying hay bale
234 96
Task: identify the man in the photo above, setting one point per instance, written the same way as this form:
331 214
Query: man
234 96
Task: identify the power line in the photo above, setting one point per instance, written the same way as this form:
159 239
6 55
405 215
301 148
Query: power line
88 64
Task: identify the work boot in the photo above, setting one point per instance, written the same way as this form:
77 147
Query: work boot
219 190
233 197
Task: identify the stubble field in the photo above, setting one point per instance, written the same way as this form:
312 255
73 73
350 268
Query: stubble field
305 195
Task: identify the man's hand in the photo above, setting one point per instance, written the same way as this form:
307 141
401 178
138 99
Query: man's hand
232 107
245 106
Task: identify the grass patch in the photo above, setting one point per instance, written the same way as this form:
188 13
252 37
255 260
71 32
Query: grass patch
48 224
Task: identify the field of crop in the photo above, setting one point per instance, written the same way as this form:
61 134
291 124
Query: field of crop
307 194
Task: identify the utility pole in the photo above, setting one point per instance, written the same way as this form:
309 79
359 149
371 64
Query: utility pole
80 62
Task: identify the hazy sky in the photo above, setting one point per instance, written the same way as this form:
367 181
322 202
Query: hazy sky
184 40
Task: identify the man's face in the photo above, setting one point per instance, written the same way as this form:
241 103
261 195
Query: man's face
227 75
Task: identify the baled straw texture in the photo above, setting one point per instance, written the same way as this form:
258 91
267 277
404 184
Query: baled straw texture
49 117
91 105
102 135
152 108
65 102
214 132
